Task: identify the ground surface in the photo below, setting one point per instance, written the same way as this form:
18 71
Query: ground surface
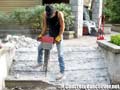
84 63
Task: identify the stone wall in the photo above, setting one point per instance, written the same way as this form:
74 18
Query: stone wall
112 59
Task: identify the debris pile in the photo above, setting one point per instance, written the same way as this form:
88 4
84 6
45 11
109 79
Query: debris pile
22 41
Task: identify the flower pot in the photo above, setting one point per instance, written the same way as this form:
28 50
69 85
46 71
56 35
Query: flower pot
116 27
107 28
69 34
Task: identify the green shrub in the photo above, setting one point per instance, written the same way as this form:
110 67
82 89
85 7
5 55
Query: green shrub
4 18
21 16
112 11
33 16
115 39
37 17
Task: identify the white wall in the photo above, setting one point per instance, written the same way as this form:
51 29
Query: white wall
77 8
7 54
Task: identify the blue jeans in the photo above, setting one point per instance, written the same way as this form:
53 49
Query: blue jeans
60 55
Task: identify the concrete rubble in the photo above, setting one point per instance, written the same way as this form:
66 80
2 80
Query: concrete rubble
22 41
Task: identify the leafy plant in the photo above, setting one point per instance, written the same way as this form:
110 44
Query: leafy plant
4 18
21 16
115 39
37 17
112 11
33 16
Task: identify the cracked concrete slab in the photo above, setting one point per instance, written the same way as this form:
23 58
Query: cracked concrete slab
84 64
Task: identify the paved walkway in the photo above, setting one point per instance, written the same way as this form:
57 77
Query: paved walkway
84 63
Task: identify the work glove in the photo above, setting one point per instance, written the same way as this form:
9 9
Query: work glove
39 37
58 38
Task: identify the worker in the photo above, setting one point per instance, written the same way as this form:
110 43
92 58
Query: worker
53 21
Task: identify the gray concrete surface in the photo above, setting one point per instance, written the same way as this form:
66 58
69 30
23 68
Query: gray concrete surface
84 62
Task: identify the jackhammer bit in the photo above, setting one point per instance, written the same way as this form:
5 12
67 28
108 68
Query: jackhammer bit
46 59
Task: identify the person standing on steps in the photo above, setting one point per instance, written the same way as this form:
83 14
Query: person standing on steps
53 21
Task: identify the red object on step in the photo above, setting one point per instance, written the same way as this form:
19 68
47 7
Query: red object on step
100 38
47 39
85 30
101 23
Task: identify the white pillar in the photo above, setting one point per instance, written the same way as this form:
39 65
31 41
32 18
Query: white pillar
97 10
77 8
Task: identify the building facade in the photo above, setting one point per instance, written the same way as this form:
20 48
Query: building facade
9 5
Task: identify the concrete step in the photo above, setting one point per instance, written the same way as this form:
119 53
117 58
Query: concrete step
72 77
41 85
84 65
53 56
27 83
53 65
66 49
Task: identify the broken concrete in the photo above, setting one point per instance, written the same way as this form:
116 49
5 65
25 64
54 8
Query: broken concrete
84 64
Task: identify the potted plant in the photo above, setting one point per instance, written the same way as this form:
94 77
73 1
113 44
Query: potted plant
69 31
111 50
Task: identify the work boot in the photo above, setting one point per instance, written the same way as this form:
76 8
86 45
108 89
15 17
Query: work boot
60 76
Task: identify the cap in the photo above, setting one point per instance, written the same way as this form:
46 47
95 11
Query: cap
49 10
